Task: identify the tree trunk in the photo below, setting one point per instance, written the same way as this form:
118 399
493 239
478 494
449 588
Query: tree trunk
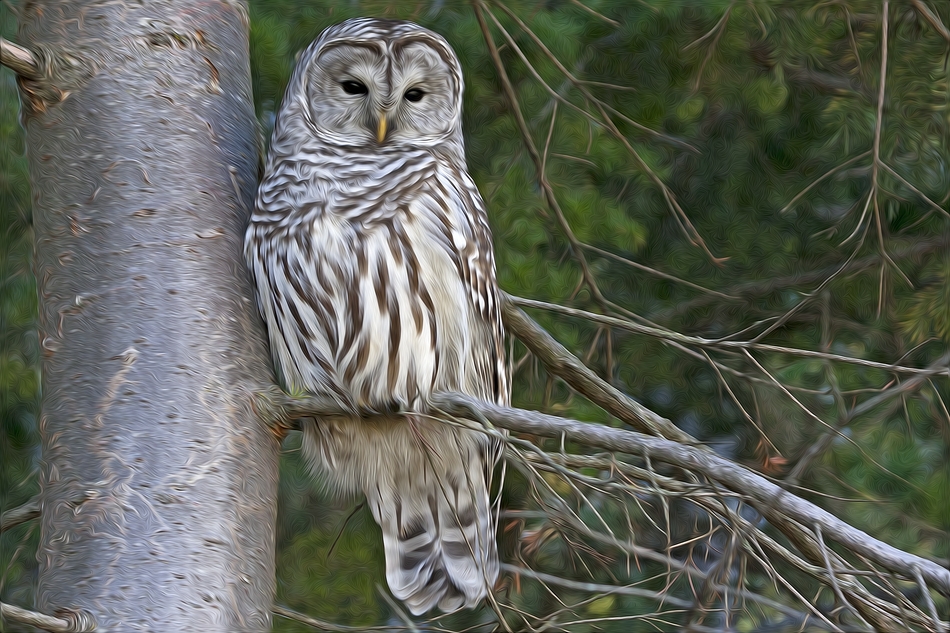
158 482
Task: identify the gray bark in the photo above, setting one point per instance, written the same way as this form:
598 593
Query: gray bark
159 481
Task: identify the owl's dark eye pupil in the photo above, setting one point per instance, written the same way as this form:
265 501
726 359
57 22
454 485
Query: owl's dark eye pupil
414 95
353 88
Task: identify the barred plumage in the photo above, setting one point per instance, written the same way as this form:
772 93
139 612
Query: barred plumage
372 255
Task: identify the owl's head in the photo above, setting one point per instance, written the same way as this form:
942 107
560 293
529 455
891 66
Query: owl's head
382 84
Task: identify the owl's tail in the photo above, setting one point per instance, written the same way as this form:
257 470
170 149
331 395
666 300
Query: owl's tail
427 485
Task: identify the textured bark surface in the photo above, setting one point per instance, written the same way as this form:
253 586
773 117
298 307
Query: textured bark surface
158 482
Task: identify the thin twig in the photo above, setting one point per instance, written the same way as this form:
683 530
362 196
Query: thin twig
719 29
577 3
929 601
595 587
931 203
932 18
755 289
827 174
831 575
876 165
659 273
684 339
536 158
678 213
821 445
322 625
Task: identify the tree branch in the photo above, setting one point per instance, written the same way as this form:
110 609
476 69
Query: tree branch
672 446
71 623
536 157
591 587
568 367
817 448
20 60
684 339
322 625
767 498
16 516
932 18
754 289
776 504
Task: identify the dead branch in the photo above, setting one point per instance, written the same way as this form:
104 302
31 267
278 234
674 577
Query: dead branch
20 60
322 625
789 513
932 18
536 157
72 623
26 512
684 339
767 497
570 369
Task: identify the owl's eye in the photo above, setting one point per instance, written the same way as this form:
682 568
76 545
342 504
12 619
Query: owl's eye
414 94
353 88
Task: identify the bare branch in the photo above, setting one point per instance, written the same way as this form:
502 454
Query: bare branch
831 574
932 18
536 157
613 23
595 587
827 174
684 339
26 512
20 60
719 29
658 273
323 625
929 600
931 203
678 213
754 289
776 504
821 445
767 497
565 365
72 623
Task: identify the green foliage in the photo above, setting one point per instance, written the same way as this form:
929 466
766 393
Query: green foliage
312 576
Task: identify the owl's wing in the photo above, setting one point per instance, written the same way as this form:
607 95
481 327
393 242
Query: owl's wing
299 289
478 272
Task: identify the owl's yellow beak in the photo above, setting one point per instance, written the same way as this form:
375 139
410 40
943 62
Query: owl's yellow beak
381 133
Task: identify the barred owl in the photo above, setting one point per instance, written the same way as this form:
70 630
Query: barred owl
371 252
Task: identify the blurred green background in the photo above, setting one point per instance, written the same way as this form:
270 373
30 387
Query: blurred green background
759 119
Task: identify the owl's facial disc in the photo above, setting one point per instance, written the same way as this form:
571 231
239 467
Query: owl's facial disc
397 93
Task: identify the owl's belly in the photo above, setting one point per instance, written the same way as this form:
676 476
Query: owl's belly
412 320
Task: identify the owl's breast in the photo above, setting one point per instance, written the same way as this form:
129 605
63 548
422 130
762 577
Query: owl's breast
410 327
